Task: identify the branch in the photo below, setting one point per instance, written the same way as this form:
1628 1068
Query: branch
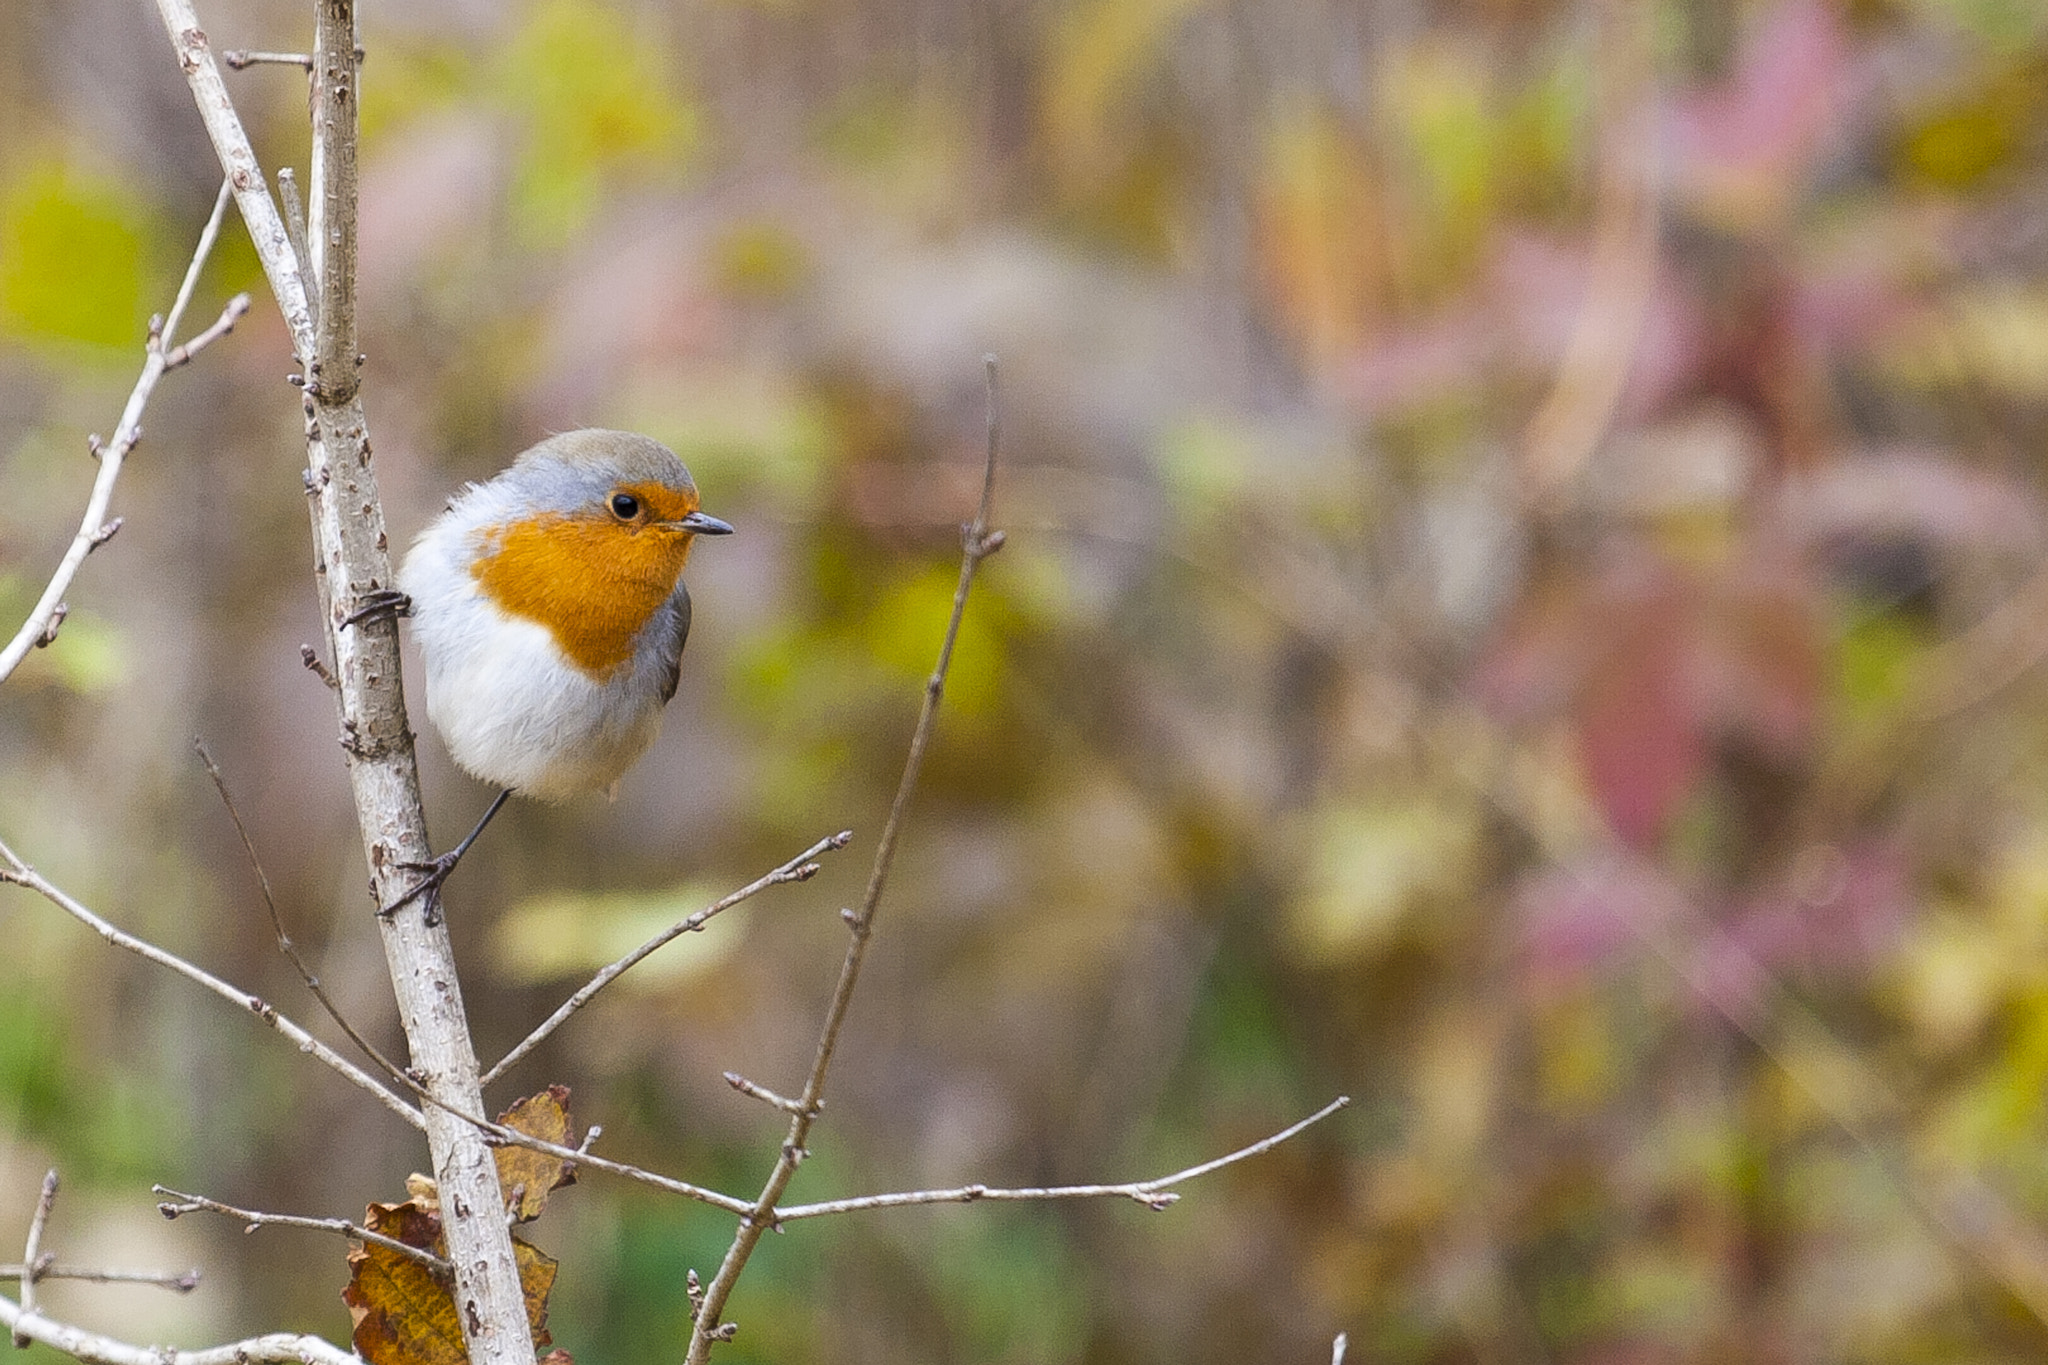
978 543
241 59
199 1203
1154 1194
238 159
353 562
497 1134
13 869
278 1348
33 1253
179 1282
284 940
797 869
94 530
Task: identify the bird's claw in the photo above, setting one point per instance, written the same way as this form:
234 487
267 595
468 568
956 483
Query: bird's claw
379 602
429 886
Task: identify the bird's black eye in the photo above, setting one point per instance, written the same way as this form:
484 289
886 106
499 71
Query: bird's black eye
625 506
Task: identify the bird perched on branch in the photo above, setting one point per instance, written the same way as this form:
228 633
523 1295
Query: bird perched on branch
549 606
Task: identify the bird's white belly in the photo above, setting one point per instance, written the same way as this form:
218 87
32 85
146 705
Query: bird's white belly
515 712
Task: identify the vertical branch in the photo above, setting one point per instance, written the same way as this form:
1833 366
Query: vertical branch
353 565
978 544
331 228
245 177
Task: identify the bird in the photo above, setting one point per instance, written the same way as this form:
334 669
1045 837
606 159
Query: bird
550 612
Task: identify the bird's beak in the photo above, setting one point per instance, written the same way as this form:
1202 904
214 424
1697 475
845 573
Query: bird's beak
704 524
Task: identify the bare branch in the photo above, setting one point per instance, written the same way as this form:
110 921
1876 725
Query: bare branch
41 626
13 869
499 1135
353 556
220 327
231 146
284 940
32 1254
178 1204
797 869
278 1348
178 1282
295 227
763 1093
978 543
241 59
1154 1194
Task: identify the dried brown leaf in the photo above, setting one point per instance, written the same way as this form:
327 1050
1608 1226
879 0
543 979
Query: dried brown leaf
404 1312
529 1176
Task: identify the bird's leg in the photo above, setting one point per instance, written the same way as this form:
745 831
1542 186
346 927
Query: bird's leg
379 602
437 869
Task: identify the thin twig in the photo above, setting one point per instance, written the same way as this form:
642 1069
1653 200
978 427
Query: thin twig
295 226
39 628
241 59
1153 1194
13 869
176 1204
797 869
178 1282
978 543
277 1348
284 940
498 1134
218 328
32 1254
762 1093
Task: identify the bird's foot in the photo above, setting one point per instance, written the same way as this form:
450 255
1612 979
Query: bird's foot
379 602
428 887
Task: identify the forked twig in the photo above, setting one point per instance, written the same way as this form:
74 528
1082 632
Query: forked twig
176 1204
94 529
797 869
13 869
1153 1194
32 1254
499 1135
978 543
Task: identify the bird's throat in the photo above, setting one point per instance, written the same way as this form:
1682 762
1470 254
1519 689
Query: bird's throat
592 583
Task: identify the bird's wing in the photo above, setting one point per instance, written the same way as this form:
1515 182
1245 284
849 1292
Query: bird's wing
672 631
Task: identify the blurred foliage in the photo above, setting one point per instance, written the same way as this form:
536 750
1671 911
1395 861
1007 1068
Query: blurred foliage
1523 604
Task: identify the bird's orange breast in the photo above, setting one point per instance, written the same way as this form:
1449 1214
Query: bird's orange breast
591 581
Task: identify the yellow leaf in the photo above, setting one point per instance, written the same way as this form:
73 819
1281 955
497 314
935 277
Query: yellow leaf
528 1176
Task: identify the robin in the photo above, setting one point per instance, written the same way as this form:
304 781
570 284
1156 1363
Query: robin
549 607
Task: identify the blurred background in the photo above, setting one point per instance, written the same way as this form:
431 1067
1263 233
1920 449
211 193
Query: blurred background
1525 575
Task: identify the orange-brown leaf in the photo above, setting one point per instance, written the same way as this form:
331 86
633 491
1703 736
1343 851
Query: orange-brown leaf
526 1175
404 1312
